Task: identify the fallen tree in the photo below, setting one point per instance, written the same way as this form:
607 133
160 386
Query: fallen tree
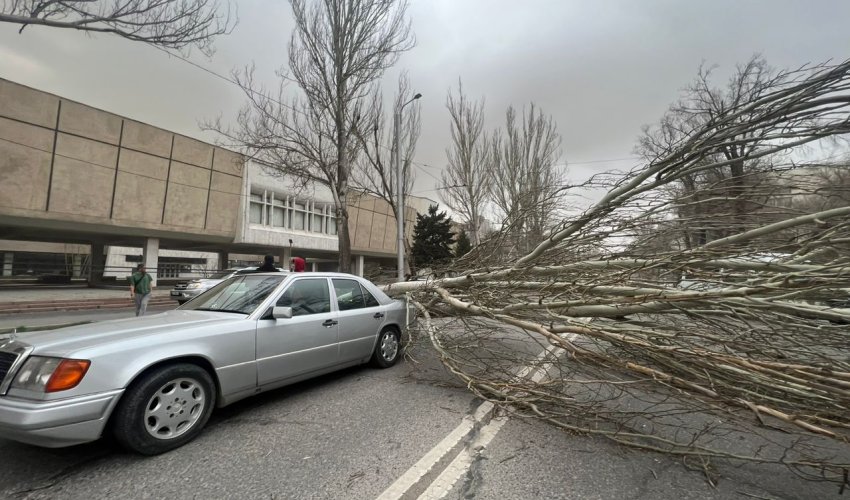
675 347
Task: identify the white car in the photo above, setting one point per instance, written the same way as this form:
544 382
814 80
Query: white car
186 291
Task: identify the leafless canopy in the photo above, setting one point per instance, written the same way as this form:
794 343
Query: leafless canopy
172 24
339 49
466 180
733 346
528 186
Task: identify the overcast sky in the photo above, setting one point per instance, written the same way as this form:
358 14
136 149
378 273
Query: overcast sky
600 68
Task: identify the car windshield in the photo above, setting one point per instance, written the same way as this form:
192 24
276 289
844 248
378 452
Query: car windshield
240 294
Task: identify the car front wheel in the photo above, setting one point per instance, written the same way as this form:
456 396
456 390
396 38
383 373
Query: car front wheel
165 409
388 349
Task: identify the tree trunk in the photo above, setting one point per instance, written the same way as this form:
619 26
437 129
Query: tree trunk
343 235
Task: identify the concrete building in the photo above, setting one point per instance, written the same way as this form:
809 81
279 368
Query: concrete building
87 193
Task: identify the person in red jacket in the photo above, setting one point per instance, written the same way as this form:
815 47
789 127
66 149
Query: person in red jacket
298 265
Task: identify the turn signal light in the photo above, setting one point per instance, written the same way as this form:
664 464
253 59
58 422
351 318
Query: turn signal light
67 375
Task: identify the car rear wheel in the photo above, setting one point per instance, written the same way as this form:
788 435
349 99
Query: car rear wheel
388 349
165 409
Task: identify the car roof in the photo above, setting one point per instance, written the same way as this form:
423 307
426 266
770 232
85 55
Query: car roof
317 274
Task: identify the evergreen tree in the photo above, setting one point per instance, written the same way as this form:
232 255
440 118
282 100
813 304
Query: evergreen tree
432 237
463 246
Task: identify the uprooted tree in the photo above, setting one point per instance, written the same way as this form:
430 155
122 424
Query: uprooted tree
729 346
171 24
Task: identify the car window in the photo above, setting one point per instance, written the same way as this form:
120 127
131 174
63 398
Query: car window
349 295
240 294
370 299
307 296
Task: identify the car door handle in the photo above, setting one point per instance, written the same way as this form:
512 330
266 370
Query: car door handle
378 315
329 323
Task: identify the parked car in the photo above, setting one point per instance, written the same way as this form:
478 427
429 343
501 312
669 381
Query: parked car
153 381
185 291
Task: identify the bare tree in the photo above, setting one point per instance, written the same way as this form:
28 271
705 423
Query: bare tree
528 186
171 24
466 181
745 361
736 186
375 171
338 50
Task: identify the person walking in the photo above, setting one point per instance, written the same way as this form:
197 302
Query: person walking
140 289
268 265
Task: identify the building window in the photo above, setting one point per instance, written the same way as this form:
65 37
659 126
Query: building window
272 209
279 213
256 209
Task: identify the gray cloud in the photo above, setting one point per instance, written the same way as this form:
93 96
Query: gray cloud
602 69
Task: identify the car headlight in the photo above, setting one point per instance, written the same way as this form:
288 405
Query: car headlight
43 374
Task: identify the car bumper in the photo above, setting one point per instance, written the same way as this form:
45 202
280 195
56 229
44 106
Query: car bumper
55 424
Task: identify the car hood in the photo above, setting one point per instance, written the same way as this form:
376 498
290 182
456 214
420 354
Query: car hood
57 342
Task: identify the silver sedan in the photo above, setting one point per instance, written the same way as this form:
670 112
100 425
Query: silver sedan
154 381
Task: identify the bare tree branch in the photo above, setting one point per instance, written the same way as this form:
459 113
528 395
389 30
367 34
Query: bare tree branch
730 347
171 24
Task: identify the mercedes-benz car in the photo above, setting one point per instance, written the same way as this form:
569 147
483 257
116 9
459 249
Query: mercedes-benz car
153 381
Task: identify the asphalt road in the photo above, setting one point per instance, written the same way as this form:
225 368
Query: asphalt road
354 433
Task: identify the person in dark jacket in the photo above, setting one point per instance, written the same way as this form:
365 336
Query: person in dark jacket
268 265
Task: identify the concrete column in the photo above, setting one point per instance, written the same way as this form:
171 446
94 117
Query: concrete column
285 256
223 260
8 258
150 257
76 265
314 267
359 265
97 261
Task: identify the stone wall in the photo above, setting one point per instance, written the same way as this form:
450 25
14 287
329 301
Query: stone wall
68 162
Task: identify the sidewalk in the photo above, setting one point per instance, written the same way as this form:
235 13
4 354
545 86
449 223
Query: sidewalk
38 306
15 295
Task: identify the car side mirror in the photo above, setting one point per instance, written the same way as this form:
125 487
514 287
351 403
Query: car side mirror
282 312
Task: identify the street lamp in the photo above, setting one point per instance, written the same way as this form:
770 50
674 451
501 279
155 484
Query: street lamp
400 187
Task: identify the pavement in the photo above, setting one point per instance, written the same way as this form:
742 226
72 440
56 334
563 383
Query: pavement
15 295
39 307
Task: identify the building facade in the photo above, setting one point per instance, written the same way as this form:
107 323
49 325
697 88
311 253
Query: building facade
85 193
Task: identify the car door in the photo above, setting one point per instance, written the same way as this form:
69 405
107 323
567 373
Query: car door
306 342
360 319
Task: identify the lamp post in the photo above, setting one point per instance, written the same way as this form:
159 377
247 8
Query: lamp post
400 187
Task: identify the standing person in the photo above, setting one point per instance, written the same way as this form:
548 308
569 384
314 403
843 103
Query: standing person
268 265
140 289
298 265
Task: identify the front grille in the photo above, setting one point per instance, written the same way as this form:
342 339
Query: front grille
181 285
7 359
